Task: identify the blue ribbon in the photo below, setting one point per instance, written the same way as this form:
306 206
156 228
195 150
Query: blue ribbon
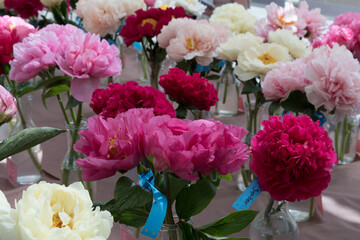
158 208
248 196
200 68
137 46
321 118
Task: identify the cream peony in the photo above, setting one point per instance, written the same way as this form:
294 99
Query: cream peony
297 48
235 17
7 221
192 7
236 44
260 59
51 211
50 3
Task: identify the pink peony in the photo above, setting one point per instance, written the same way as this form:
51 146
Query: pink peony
292 158
17 24
287 77
117 98
87 59
112 144
334 77
25 8
337 35
7 106
189 90
185 39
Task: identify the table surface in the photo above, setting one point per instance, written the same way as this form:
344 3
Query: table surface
341 219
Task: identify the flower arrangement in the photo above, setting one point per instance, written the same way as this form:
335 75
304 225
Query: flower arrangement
52 211
176 152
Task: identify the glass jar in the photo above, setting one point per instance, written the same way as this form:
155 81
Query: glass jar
167 232
344 133
197 114
28 163
302 210
274 222
228 92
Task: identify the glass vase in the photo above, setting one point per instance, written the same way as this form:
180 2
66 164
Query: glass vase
344 135
167 232
28 163
70 172
302 210
228 93
274 222
197 114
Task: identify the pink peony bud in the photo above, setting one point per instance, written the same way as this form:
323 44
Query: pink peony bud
7 106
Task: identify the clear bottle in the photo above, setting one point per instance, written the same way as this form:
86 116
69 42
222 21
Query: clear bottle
28 163
302 210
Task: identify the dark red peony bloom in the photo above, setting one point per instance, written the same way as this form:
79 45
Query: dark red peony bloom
190 90
117 98
292 157
25 8
148 23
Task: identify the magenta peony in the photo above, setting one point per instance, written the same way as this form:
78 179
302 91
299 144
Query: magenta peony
7 106
117 98
190 90
25 8
292 158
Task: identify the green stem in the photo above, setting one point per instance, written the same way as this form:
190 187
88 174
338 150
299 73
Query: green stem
110 79
63 110
337 131
312 201
137 233
345 132
243 172
169 218
267 215
144 64
227 71
72 111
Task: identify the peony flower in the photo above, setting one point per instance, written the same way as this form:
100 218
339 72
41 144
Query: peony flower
50 3
52 211
7 106
192 7
190 90
87 59
235 17
292 157
236 44
148 23
297 48
260 59
150 3
117 98
112 144
18 25
287 77
185 39
105 17
334 77
7 220
25 8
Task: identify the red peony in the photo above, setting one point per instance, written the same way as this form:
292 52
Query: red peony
7 39
25 8
190 90
117 98
148 23
292 158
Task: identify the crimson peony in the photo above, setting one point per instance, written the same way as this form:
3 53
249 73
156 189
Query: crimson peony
25 8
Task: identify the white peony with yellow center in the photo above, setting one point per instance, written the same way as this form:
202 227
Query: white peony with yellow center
7 220
297 48
235 17
260 59
52 211
237 44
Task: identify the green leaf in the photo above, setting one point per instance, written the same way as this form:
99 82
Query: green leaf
57 15
72 103
134 217
181 111
196 198
251 86
55 91
297 102
73 3
274 106
64 9
26 139
233 223
212 77
227 177
27 87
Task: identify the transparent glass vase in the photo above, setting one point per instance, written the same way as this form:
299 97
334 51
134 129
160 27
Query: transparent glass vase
228 93
274 222
70 172
167 232
196 114
302 210
344 133
28 163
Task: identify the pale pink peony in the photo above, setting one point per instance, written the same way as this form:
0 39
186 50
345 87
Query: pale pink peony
188 39
287 77
22 28
292 157
7 106
334 77
87 59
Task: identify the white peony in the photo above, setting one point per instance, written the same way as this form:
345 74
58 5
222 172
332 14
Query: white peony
235 17
260 59
297 48
51 211
236 44
51 3
192 7
7 221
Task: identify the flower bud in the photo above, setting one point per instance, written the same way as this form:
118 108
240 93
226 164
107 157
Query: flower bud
7 106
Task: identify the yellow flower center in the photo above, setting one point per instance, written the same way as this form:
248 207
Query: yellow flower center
57 222
266 58
164 7
191 44
190 2
112 148
152 21
11 27
283 22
